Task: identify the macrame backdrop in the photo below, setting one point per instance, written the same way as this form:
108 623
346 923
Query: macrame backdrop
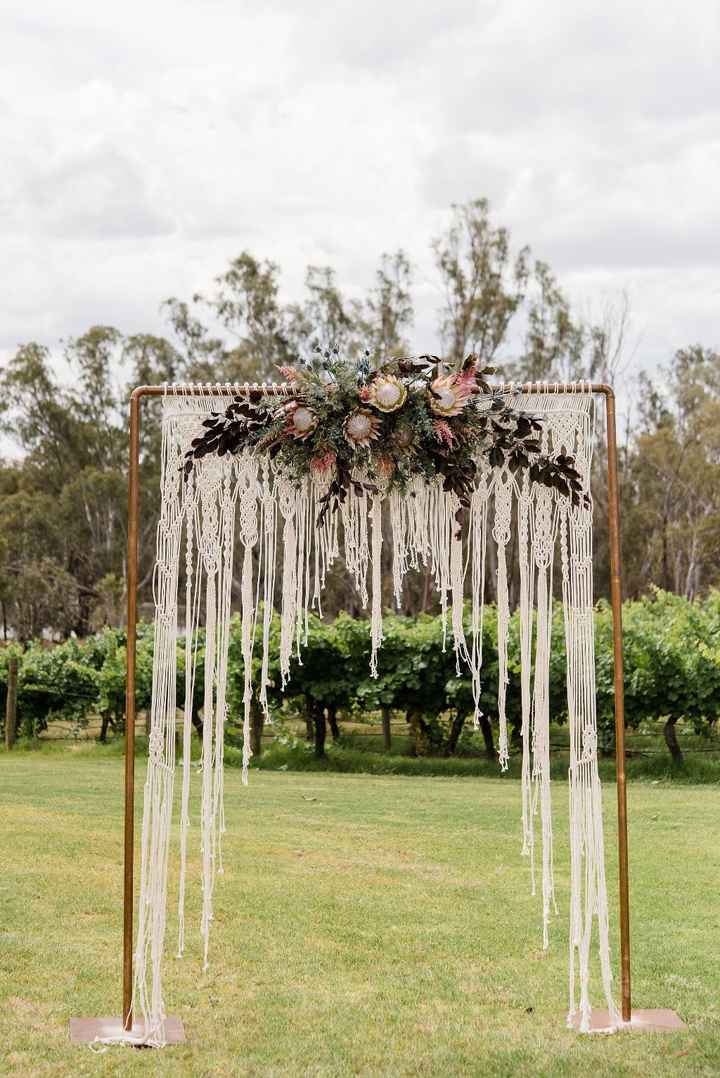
243 502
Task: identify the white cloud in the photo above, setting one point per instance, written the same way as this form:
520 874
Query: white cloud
93 193
144 145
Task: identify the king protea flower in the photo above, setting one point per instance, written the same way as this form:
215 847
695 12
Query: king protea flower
361 427
301 420
387 393
451 392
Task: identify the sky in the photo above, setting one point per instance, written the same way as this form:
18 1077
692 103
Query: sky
144 145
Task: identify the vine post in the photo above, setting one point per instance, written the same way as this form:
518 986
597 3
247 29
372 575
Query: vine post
11 703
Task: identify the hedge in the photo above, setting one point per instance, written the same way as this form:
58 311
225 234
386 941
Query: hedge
671 657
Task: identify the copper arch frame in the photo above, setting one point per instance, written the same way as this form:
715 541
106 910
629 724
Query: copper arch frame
132 585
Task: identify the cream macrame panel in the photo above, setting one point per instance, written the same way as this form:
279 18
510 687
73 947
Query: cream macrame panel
242 505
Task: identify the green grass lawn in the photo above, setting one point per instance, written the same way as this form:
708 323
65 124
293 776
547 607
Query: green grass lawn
366 925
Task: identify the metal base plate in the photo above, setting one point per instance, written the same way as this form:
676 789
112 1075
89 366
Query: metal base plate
657 1020
84 1030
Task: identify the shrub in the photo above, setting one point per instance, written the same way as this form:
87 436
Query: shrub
671 662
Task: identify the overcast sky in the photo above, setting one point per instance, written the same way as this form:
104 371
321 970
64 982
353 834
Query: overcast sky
143 145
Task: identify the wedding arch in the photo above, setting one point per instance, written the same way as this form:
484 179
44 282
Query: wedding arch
316 465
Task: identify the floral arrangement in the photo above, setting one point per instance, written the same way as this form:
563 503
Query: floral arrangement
389 423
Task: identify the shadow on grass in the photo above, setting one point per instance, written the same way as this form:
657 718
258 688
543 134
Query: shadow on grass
346 757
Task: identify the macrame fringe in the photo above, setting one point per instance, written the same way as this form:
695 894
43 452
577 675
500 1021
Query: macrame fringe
243 498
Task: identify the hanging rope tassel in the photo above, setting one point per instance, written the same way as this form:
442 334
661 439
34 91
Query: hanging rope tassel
587 857
269 536
192 598
158 794
249 532
376 626
544 523
526 564
501 535
288 506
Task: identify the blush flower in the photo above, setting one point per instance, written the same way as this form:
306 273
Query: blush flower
384 465
450 393
443 433
301 420
323 463
361 427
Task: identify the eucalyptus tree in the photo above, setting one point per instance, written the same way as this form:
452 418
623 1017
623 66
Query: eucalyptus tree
484 283
386 315
674 476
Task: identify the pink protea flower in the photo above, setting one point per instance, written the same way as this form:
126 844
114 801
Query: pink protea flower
450 393
301 420
468 377
288 373
443 433
323 463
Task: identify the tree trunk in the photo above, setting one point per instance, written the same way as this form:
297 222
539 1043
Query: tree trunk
387 736
454 735
85 598
420 745
309 725
487 733
197 721
425 592
672 742
320 731
11 702
104 726
667 582
411 720
332 719
257 722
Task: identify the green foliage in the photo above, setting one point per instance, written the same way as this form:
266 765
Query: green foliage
53 683
671 658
